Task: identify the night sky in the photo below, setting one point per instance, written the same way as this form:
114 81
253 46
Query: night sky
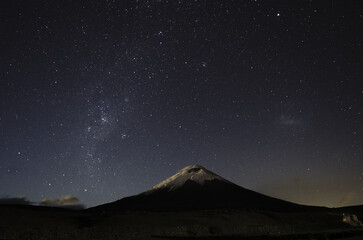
104 99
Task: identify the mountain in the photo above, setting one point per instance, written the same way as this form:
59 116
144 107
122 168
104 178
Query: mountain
196 188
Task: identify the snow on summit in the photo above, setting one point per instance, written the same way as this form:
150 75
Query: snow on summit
195 173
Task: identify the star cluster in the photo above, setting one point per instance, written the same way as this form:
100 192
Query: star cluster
103 99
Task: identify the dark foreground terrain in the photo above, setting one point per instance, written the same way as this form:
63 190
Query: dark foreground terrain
195 203
31 222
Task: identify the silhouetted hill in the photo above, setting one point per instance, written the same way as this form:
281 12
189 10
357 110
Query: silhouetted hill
197 188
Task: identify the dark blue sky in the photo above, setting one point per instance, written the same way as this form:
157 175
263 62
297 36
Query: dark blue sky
104 99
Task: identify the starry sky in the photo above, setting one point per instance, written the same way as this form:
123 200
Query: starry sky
104 99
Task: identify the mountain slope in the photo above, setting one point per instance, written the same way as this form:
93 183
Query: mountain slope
195 188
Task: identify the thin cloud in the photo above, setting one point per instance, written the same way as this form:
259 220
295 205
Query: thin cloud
64 202
346 199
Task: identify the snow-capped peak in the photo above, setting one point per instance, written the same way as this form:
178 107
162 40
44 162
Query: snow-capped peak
195 173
